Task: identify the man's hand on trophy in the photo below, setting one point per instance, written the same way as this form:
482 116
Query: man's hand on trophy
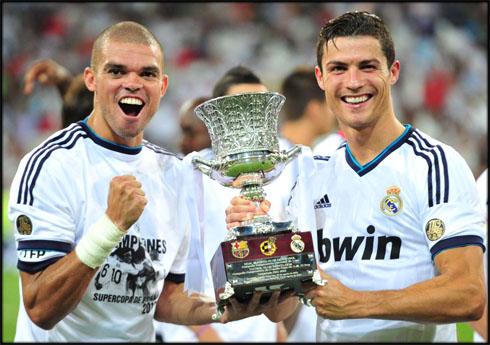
241 209
333 300
237 311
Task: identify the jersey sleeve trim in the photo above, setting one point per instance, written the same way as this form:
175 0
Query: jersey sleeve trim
36 255
35 267
158 149
176 278
454 242
45 245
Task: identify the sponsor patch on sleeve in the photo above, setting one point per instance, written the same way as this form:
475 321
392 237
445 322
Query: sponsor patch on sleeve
24 225
435 229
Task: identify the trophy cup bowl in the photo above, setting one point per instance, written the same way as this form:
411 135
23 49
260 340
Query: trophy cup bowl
261 254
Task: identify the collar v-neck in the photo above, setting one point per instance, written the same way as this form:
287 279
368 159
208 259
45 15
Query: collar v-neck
364 169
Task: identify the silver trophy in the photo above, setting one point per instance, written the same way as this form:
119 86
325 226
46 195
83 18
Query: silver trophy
243 132
245 143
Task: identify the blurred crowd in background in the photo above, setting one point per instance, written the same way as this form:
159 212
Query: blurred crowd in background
442 47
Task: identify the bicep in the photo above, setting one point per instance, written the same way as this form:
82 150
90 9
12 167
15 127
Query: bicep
171 290
462 263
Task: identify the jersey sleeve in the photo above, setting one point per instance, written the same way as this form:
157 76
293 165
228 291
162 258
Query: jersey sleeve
300 207
41 213
178 268
452 215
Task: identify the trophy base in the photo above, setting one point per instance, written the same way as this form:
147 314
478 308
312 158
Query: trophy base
246 265
244 293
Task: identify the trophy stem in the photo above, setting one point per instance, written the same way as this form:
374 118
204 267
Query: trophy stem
252 189
251 186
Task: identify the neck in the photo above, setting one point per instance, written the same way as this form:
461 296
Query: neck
100 127
367 143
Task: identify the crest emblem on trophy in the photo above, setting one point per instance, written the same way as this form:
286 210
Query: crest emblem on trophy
245 143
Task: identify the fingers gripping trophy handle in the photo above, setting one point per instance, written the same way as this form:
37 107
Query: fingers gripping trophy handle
318 280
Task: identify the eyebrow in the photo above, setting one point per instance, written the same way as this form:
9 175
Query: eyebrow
363 62
114 65
109 65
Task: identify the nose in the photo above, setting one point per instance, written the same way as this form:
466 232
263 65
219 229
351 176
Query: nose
354 79
132 82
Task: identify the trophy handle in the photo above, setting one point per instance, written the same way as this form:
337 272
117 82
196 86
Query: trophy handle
203 165
286 156
293 153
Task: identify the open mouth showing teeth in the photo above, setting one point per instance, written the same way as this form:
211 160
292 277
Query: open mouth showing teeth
356 99
131 106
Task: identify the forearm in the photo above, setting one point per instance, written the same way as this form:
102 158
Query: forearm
438 300
481 326
53 293
283 310
174 306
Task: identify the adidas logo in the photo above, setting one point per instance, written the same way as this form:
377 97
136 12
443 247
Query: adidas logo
323 203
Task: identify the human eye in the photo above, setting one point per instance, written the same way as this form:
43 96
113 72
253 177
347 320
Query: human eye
115 71
368 67
149 74
337 68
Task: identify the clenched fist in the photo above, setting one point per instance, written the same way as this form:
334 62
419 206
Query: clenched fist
126 201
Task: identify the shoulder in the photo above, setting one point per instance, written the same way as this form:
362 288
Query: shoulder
424 150
329 155
329 144
60 150
160 152
423 143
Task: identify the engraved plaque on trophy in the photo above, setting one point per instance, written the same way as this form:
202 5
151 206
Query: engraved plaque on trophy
261 254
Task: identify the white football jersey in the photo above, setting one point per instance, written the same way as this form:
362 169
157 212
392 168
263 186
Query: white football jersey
216 199
328 145
59 191
379 226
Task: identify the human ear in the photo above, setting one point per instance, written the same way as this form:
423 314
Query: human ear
89 78
319 77
394 72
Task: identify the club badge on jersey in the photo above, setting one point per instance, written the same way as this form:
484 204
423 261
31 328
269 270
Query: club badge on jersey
392 204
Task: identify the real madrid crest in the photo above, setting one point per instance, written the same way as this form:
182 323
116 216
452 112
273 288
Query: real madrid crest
392 203
239 249
297 245
24 225
268 247
435 229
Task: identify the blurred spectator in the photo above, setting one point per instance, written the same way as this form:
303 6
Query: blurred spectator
305 115
237 80
77 99
195 135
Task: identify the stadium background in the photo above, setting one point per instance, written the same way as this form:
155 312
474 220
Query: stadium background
442 47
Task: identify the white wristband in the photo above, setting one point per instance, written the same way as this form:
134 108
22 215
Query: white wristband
99 241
